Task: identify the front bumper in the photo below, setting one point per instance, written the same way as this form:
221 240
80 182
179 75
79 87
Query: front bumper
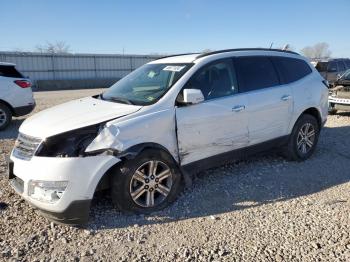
82 173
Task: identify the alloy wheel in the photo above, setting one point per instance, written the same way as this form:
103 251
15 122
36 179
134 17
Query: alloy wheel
306 138
151 183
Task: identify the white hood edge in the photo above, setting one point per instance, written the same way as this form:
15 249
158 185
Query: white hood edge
73 115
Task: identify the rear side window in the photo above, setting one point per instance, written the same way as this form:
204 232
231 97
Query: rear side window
291 69
341 66
9 71
255 73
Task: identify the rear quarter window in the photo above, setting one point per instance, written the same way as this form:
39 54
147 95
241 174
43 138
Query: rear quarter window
291 69
9 71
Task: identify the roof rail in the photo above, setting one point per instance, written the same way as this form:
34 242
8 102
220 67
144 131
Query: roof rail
176 55
245 49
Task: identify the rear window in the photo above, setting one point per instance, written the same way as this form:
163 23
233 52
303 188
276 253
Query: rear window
322 66
9 71
291 69
255 73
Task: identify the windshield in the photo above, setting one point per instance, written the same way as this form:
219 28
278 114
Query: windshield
346 75
145 85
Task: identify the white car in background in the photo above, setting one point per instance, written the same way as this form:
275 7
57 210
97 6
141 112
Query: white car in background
16 96
144 135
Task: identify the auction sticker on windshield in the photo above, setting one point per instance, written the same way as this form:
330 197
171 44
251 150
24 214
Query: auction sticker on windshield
174 68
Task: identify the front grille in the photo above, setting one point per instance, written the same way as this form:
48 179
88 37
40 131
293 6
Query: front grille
26 146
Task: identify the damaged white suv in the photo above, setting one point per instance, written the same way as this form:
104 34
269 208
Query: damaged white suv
173 116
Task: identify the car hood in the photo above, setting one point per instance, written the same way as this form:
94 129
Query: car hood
73 115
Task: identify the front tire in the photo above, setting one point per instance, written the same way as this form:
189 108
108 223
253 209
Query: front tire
303 139
147 183
5 116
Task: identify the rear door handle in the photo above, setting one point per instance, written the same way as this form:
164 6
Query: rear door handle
285 97
238 108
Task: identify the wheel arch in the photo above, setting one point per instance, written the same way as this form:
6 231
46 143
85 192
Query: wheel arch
315 113
129 154
8 105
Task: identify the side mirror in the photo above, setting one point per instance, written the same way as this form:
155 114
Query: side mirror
338 76
192 96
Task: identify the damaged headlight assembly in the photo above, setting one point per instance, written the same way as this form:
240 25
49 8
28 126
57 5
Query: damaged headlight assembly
69 144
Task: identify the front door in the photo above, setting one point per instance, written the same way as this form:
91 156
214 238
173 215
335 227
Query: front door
217 125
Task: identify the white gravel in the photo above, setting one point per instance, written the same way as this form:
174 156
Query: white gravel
261 209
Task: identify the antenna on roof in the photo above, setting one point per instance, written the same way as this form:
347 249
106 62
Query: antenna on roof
271 45
286 47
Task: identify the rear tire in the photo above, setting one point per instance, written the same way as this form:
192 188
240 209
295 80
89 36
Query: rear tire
303 139
5 116
147 183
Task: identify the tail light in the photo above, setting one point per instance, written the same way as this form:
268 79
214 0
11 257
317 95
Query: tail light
23 83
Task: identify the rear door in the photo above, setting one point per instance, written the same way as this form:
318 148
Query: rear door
269 105
217 125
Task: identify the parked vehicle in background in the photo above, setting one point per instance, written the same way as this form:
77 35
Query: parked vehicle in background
332 69
339 96
173 116
16 96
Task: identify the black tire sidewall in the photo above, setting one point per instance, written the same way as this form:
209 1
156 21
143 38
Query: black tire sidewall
8 116
122 175
302 121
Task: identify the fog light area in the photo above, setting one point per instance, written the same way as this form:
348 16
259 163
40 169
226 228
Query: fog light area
47 191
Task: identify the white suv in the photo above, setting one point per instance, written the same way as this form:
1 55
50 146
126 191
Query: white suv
16 97
144 135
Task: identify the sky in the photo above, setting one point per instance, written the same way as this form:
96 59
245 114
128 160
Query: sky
176 26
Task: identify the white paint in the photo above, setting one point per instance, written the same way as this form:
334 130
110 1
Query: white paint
73 115
204 129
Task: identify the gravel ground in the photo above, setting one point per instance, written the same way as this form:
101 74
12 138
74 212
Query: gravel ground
261 209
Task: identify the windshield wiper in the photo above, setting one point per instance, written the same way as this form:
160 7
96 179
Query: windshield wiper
119 100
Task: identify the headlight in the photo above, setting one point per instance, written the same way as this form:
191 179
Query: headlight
69 144
46 191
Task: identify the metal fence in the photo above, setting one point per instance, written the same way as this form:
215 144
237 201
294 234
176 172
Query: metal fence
41 66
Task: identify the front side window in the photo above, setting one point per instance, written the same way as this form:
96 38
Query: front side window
146 85
255 73
215 80
291 69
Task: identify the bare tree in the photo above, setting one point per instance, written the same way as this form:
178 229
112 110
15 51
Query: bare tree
317 51
58 47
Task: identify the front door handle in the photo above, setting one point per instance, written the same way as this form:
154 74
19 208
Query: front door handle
238 108
285 97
